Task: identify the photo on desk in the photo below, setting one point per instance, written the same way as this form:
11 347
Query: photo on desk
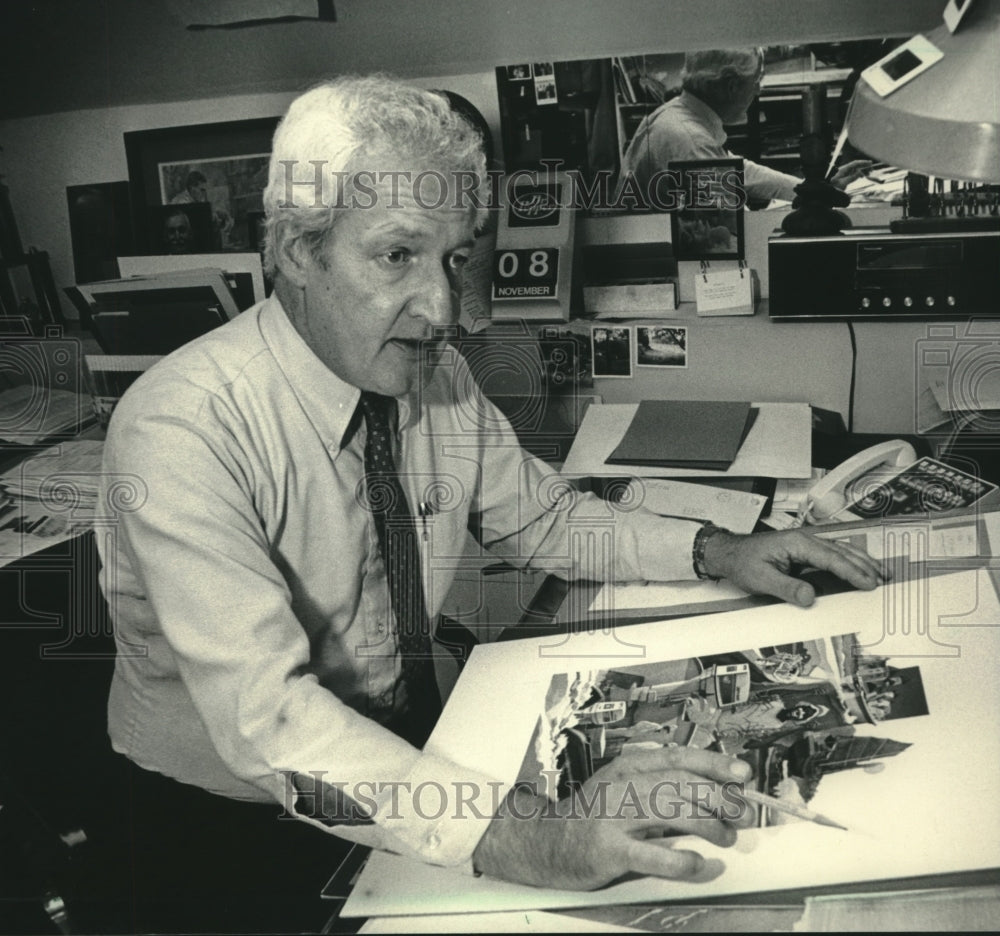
707 223
872 741
611 351
661 346
792 711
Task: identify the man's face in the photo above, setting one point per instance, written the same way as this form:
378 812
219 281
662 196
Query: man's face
199 191
177 232
387 276
742 93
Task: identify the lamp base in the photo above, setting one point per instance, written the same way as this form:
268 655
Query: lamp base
815 211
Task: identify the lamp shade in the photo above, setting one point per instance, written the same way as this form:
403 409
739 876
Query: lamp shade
945 122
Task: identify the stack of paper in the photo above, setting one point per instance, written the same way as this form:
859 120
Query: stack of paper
685 434
49 498
30 415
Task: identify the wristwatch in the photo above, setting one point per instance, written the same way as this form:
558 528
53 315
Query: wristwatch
701 538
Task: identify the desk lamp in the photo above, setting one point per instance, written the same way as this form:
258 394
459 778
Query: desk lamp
944 121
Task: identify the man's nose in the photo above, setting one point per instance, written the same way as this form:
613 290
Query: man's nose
439 297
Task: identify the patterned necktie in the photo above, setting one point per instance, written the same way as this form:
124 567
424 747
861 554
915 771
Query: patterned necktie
397 537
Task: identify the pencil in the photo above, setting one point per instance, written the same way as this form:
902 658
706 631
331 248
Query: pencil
793 809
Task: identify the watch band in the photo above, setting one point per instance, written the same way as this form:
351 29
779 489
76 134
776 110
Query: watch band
701 538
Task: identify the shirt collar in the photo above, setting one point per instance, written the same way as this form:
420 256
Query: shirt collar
328 402
705 116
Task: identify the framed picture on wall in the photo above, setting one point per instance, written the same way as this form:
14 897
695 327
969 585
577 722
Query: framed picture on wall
708 222
221 165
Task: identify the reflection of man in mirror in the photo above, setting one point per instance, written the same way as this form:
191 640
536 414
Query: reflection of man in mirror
718 86
178 235
195 189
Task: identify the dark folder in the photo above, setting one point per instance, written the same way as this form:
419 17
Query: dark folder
684 434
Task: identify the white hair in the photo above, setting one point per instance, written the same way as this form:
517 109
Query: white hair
330 130
705 71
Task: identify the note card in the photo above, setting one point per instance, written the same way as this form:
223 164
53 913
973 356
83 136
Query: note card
724 292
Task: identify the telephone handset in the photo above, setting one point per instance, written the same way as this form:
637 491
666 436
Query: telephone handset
829 495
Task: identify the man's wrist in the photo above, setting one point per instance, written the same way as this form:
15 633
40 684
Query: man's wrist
702 566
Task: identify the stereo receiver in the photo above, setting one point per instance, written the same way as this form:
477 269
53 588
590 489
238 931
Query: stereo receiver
874 275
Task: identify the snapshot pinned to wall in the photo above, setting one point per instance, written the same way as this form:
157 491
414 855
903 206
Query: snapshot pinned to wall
518 72
545 91
611 351
708 222
661 346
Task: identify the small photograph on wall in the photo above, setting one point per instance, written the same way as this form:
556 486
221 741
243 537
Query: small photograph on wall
611 351
661 346
518 72
232 186
545 91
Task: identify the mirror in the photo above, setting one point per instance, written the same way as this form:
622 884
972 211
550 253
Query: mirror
583 115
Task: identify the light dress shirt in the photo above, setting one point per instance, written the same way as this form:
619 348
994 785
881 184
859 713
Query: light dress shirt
687 128
250 602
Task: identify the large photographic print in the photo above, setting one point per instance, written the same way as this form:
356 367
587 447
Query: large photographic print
232 187
792 711
883 727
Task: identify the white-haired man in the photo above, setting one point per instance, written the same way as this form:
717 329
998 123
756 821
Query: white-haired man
717 88
269 658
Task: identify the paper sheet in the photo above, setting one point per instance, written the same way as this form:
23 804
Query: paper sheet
919 543
899 825
477 280
533 921
735 510
49 498
634 596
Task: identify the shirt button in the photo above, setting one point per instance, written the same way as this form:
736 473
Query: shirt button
380 626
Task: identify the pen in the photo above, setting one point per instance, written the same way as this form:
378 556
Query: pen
793 809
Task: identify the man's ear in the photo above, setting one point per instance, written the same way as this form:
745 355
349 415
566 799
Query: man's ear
292 257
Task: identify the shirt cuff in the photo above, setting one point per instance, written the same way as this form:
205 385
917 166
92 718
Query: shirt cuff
665 547
437 814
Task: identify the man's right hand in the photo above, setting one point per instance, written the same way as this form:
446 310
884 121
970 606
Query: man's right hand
639 798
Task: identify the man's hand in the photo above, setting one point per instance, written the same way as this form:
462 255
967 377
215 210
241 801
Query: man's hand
850 171
615 824
764 562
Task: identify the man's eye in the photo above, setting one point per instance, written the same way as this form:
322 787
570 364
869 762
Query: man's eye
457 261
397 256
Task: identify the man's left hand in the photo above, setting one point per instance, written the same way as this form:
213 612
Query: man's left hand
850 171
763 563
